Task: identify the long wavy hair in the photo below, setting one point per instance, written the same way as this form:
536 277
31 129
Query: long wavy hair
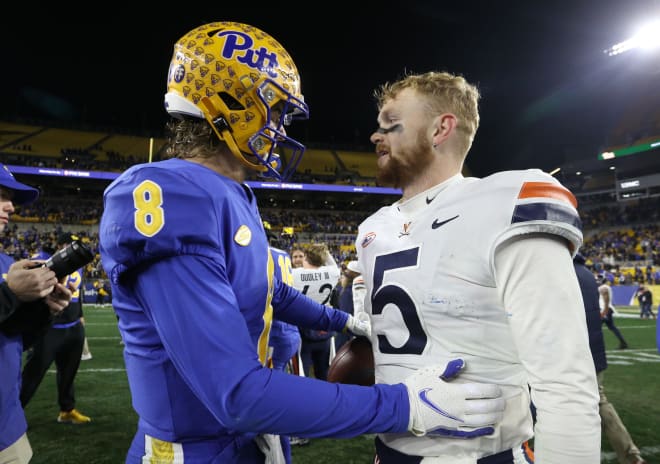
192 138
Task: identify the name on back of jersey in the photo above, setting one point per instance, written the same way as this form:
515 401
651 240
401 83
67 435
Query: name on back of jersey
314 276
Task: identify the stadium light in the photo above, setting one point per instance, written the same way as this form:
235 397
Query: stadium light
648 37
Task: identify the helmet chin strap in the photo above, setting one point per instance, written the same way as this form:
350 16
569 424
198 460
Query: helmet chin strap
223 131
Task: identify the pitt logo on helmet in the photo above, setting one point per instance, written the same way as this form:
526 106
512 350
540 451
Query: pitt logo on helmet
240 44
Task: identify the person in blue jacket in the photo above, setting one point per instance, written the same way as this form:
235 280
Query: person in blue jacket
194 285
29 296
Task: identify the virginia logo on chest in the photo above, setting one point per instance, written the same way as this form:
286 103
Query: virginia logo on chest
406 229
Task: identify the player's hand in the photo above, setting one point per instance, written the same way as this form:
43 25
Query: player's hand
271 446
29 281
439 406
59 298
359 325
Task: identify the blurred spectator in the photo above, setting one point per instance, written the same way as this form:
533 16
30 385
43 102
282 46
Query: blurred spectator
607 310
316 278
614 429
645 299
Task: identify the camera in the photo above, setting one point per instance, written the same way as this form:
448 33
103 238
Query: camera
69 259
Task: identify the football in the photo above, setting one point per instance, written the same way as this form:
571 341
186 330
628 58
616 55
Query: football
353 363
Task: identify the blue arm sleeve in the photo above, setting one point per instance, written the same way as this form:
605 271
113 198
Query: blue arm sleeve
293 307
206 336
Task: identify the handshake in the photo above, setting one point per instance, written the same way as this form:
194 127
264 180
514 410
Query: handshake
460 410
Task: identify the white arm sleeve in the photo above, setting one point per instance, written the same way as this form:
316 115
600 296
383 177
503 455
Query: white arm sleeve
359 294
541 294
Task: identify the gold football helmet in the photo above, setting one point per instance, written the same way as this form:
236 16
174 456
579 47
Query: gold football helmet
245 84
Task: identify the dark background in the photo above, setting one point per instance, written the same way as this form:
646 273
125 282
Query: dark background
549 93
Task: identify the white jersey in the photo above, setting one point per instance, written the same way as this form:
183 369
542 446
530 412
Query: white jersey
428 265
316 283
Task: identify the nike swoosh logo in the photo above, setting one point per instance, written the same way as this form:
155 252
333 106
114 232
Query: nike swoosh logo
425 399
437 224
429 200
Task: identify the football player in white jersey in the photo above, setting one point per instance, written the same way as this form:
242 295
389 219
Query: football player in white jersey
317 277
476 269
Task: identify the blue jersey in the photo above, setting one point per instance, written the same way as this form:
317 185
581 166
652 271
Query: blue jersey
12 417
284 338
195 291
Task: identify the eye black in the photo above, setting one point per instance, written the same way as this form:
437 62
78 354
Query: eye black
383 130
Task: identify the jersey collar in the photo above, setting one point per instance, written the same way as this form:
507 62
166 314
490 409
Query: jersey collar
426 198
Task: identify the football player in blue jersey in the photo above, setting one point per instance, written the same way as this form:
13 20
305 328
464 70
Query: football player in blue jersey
194 284
480 268
284 339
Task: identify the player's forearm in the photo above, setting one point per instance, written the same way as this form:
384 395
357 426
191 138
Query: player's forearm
549 329
291 306
555 444
291 405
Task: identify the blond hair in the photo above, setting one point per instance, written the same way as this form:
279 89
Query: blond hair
316 254
447 93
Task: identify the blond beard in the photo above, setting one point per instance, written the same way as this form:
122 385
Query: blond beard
411 162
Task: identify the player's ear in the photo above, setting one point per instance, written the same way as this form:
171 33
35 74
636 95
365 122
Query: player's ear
443 126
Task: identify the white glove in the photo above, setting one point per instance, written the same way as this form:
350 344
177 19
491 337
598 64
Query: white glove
271 446
360 325
462 410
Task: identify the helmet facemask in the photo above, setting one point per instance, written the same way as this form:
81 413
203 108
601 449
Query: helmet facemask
263 144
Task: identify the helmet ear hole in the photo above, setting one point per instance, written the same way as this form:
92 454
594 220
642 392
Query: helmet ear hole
231 102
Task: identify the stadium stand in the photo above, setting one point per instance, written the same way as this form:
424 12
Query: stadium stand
54 143
126 149
320 163
13 137
34 145
362 163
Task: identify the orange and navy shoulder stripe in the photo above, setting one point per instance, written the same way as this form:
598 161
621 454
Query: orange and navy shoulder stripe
546 201
528 452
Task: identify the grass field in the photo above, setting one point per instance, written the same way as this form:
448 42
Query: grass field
632 385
